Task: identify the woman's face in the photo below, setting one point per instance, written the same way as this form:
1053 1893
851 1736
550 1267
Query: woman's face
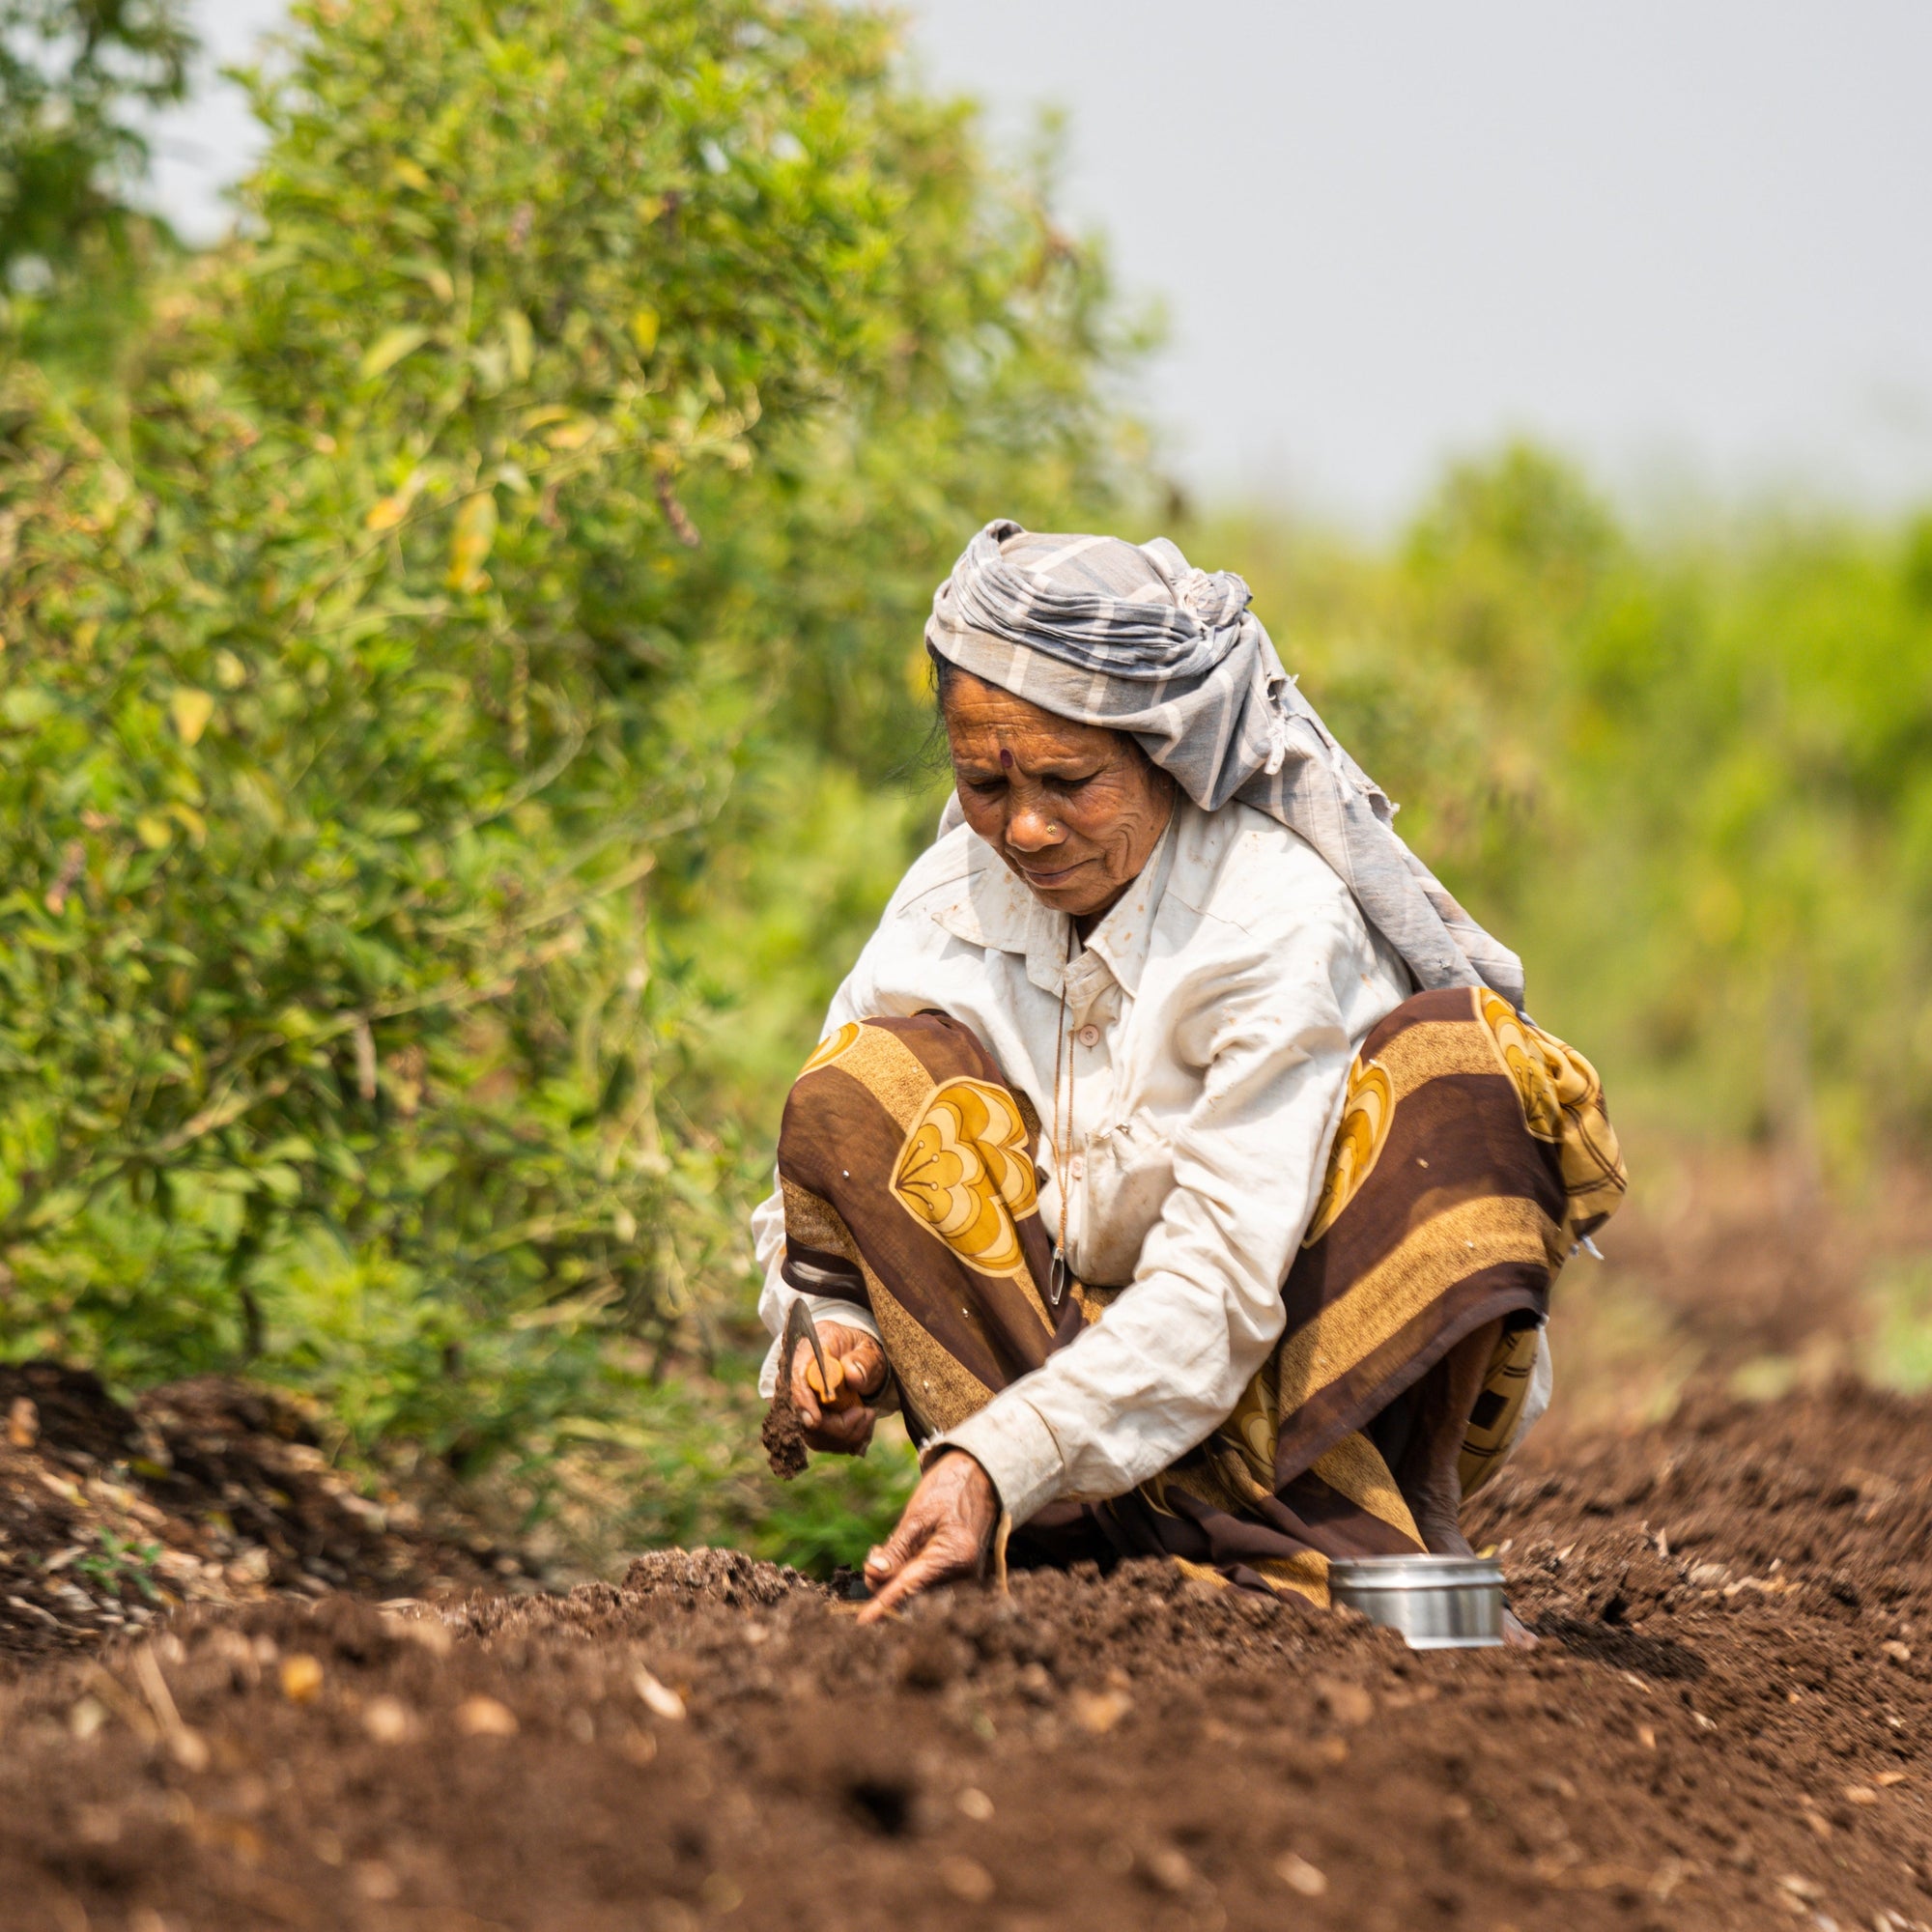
1074 809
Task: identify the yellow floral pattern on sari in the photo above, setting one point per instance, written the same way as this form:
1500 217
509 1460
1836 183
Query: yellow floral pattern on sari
1358 1145
965 1174
832 1047
1562 1104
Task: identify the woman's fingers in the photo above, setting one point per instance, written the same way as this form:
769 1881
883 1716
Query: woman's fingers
864 1365
844 1431
941 1535
914 1527
857 1364
948 1553
841 1422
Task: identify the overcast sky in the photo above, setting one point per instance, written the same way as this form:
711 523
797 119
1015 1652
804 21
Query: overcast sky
1691 242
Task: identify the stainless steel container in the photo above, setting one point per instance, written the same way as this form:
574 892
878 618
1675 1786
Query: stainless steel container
1437 1602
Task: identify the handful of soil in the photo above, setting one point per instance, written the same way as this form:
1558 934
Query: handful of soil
781 1434
782 1437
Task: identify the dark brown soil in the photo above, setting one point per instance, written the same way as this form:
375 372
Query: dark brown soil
205 1490
782 1439
1727 1724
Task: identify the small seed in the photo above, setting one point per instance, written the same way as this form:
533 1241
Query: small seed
1099 1711
387 1719
722 1892
485 1717
974 1803
301 1678
659 1698
1299 1875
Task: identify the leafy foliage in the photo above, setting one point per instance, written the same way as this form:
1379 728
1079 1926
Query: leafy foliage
1689 779
383 657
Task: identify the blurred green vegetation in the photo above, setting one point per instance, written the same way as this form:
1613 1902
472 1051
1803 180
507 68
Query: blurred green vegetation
462 708
410 628
1690 777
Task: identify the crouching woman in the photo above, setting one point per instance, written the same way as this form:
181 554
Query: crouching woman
1179 1159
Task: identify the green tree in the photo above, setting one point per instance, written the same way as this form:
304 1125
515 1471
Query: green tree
386 659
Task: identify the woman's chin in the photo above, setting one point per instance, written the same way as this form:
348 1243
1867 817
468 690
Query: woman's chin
1074 896
1078 889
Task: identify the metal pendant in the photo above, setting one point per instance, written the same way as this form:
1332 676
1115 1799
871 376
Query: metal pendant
1057 1278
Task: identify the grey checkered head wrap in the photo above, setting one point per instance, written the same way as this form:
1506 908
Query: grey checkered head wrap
1133 637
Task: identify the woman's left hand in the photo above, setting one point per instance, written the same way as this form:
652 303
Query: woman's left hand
942 1534
837 1424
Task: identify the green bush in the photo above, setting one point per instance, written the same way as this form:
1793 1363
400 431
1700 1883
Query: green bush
407 653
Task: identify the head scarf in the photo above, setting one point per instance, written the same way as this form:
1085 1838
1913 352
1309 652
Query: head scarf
1133 637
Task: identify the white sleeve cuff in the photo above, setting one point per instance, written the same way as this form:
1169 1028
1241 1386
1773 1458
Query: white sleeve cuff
1010 1439
824 1308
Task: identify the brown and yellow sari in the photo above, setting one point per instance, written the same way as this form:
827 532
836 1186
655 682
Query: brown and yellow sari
1473 1156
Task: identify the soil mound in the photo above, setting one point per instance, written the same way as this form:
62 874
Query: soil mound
204 1490
1726 1725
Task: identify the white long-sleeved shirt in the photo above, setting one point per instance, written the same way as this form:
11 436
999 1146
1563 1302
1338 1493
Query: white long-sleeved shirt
1211 1017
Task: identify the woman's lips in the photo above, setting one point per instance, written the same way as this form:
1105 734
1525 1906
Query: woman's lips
1054 878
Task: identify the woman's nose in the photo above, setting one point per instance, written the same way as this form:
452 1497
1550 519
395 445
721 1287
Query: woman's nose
1030 829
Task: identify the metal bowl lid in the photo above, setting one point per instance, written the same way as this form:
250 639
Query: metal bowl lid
1414 1573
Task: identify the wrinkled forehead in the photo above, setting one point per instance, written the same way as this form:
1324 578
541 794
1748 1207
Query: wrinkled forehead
1093 566
985 724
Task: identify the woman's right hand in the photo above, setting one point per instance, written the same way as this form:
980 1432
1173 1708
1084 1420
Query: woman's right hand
842 1426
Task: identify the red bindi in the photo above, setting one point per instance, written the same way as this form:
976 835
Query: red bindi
1006 758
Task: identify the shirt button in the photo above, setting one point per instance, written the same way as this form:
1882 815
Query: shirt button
1089 1036
1076 1167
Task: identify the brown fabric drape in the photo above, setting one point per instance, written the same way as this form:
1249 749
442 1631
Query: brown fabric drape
1473 1152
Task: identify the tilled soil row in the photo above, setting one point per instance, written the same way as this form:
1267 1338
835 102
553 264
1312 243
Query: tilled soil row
207 1491
1724 1725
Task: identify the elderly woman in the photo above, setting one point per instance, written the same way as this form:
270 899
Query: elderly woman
1179 1159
